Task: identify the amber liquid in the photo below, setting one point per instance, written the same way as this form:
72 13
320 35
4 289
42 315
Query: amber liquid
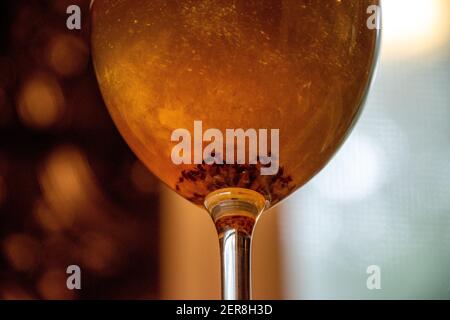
300 66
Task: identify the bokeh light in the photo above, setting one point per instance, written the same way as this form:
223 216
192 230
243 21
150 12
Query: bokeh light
67 55
41 101
48 218
65 172
99 253
62 183
52 285
355 172
414 27
22 251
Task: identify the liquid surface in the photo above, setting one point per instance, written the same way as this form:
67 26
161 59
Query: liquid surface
299 66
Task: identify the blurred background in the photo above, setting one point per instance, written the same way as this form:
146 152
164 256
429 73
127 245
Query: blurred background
385 198
71 191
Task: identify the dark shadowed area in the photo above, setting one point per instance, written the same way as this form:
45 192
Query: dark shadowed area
71 191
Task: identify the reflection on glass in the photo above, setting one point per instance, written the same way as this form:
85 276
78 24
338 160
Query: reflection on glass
299 67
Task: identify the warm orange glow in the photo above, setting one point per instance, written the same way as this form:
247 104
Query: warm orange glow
52 285
41 101
49 219
22 251
67 55
99 253
231 66
68 184
14 292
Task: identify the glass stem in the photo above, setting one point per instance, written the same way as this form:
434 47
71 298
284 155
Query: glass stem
235 264
235 212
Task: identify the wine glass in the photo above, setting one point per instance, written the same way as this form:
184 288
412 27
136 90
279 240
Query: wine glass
234 104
